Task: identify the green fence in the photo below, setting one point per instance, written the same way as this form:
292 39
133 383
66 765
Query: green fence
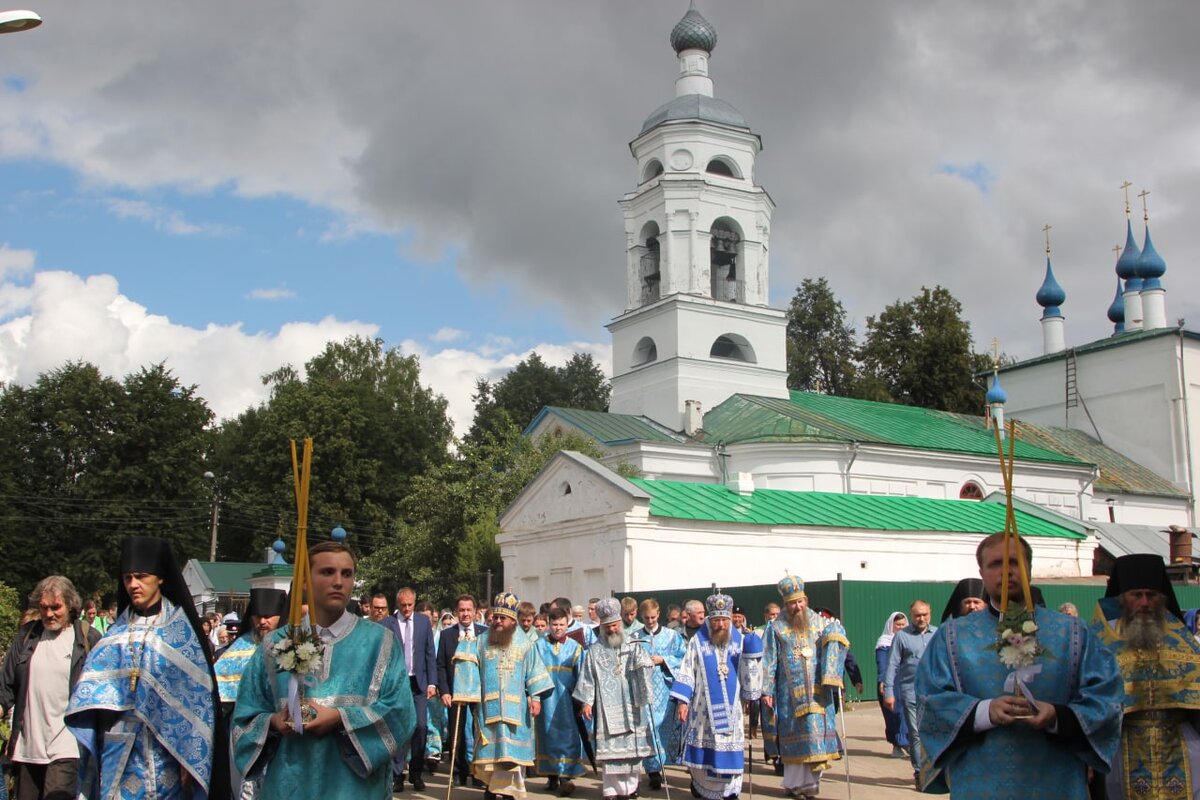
863 606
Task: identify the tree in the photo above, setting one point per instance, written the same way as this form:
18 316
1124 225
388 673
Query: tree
515 399
86 460
918 352
820 344
375 430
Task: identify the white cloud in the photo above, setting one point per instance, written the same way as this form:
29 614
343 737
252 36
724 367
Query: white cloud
14 263
448 335
163 219
271 294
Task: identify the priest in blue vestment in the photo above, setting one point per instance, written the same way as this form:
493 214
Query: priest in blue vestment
1140 622
145 707
501 671
667 649
722 667
804 657
360 700
991 732
559 748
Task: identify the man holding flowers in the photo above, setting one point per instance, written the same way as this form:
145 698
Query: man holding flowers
1019 704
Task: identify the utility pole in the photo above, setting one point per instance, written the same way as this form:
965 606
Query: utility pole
216 515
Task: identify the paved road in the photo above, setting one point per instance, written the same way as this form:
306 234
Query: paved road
874 774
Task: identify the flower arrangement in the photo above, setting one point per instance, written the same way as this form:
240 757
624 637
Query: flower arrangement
300 652
1017 642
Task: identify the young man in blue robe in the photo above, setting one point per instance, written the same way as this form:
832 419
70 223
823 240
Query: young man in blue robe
666 649
145 707
982 737
722 668
502 672
804 657
361 701
559 748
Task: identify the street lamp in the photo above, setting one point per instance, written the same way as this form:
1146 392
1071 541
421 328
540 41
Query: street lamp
216 514
19 20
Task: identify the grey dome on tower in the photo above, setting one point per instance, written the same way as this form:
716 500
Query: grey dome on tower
693 32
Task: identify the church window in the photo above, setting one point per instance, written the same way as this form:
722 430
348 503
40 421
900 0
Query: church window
648 263
970 491
733 347
724 255
645 352
722 167
653 169
566 487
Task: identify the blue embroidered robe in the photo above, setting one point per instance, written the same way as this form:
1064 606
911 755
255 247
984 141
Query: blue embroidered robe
231 665
803 673
1161 697
616 683
364 678
164 722
671 648
1014 761
713 739
559 749
501 681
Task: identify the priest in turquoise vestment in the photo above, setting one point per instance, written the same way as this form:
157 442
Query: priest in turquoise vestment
1140 622
360 695
666 649
982 737
501 671
559 748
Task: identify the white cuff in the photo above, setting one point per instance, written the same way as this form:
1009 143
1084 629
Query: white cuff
983 719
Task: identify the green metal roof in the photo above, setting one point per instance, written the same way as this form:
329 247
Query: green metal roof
808 416
1117 473
1116 340
711 502
608 428
230 576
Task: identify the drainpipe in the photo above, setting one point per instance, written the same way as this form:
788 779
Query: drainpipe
1187 434
849 464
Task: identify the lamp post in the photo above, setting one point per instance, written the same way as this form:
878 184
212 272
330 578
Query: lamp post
216 514
19 20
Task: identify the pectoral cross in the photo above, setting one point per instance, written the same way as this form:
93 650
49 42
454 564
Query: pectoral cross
133 679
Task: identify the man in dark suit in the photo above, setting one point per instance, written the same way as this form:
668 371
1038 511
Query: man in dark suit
415 634
464 609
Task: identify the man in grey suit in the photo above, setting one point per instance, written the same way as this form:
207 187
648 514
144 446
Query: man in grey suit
415 634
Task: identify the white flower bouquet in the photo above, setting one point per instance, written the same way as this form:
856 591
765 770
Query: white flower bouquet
302 653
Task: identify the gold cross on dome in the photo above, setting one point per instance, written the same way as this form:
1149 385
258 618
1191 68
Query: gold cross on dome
1046 230
1145 210
1117 250
1125 188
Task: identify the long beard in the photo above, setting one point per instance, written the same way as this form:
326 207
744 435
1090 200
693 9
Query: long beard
799 620
1145 632
719 638
500 637
615 640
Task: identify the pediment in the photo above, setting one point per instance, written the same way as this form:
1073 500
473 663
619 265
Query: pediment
570 487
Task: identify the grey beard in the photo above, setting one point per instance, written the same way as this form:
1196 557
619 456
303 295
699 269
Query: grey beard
799 620
1142 633
615 640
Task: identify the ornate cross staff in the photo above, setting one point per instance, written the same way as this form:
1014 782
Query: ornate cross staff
302 589
1010 521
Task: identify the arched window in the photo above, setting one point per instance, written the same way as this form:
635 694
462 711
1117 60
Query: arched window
970 491
653 169
723 167
733 347
645 352
724 255
648 264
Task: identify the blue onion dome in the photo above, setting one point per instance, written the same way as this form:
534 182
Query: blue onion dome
338 534
693 32
1151 265
1116 311
1050 296
278 547
1127 264
996 394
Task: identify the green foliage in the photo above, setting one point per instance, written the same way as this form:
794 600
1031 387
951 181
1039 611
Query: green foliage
515 399
820 343
11 605
86 460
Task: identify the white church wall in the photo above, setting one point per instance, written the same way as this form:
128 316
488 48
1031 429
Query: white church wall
1139 509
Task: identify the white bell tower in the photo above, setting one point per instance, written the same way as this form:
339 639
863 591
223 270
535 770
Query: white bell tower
696 327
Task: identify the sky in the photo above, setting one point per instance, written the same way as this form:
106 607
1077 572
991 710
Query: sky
224 187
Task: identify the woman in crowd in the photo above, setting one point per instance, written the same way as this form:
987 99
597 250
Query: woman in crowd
893 721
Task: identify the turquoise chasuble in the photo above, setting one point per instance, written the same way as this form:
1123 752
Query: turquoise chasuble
501 680
364 678
670 647
559 748
1015 761
1162 695
231 665
803 673
151 674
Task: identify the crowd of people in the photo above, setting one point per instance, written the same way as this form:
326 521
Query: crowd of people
363 697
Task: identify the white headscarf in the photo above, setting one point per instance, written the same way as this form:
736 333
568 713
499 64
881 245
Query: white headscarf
888 630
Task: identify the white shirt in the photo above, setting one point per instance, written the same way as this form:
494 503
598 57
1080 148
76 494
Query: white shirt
406 636
44 737
337 630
